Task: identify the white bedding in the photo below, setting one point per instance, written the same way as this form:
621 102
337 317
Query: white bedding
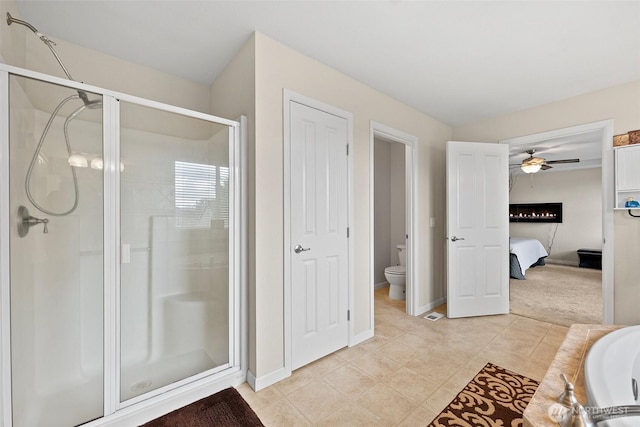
528 251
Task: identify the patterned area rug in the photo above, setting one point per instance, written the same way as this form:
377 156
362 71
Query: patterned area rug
495 397
224 409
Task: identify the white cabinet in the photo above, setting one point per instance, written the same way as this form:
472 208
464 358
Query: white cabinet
627 174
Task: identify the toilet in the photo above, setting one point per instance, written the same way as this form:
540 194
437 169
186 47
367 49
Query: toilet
396 275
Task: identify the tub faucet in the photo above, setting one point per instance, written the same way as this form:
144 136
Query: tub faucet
579 416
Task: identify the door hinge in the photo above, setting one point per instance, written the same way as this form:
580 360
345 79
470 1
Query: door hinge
348 315
347 149
347 232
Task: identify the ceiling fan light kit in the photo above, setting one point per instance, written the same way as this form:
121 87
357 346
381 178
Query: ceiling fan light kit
534 164
530 168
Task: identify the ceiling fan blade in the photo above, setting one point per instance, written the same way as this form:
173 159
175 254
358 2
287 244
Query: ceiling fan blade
551 162
533 161
545 167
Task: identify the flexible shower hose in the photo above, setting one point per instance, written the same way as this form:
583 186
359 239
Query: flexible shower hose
36 153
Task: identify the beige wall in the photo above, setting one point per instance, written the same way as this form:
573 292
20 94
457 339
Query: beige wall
620 103
398 200
580 193
278 67
12 42
381 210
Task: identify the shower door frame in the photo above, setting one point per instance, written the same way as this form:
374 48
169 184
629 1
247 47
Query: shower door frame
164 399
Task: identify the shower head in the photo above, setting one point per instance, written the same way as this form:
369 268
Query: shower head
90 104
45 40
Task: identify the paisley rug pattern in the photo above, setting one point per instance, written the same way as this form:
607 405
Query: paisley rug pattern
494 398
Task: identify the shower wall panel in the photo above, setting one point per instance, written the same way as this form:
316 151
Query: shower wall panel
56 291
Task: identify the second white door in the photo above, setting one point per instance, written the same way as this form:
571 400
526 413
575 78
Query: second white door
319 242
477 229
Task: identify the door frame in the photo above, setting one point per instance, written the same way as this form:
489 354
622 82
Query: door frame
410 142
288 97
606 129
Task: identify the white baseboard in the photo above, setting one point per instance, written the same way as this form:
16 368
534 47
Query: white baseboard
265 381
560 262
361 337
431 306
380 285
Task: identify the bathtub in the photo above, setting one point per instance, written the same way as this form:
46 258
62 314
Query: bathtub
612 373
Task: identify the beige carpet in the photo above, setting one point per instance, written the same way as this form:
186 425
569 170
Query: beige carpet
558 294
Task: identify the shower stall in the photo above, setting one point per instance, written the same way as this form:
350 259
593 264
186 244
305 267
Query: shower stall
120 262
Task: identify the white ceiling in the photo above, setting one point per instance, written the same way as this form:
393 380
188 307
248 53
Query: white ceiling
456 61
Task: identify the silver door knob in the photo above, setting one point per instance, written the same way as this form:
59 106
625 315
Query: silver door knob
454 238
298 248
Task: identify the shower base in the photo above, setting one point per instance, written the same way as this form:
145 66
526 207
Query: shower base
146 376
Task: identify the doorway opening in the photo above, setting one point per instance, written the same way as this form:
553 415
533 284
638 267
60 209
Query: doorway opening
585 188
392 226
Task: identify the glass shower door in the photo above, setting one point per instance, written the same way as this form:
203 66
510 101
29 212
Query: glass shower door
56 261
175 251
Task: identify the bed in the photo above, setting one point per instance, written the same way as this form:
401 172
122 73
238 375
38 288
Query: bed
524 253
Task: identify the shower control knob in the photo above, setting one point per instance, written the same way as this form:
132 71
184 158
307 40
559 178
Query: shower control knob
32 220
298 248
26 221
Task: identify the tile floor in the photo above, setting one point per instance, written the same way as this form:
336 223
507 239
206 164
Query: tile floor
408 372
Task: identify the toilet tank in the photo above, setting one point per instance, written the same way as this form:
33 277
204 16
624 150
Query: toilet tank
402 254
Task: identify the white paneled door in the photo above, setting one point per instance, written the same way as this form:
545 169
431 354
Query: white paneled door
319 245
477 229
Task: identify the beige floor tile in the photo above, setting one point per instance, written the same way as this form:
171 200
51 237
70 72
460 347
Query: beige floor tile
497 356
386 403
534 369
522 344
350 380
420 417
398 352
439 399
387 330
298 378
376 365
530 326
438 370
351 353
406 322
373 343
416 364
351 416
317 400
326 364
282 413
387 316
261 398
461 378
418 342
411 384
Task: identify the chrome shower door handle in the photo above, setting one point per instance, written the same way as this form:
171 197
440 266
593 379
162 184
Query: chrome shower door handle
454 238
298 248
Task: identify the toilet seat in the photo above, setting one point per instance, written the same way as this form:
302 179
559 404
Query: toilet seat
396 270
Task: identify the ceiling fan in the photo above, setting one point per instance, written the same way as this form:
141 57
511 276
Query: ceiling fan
534 164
